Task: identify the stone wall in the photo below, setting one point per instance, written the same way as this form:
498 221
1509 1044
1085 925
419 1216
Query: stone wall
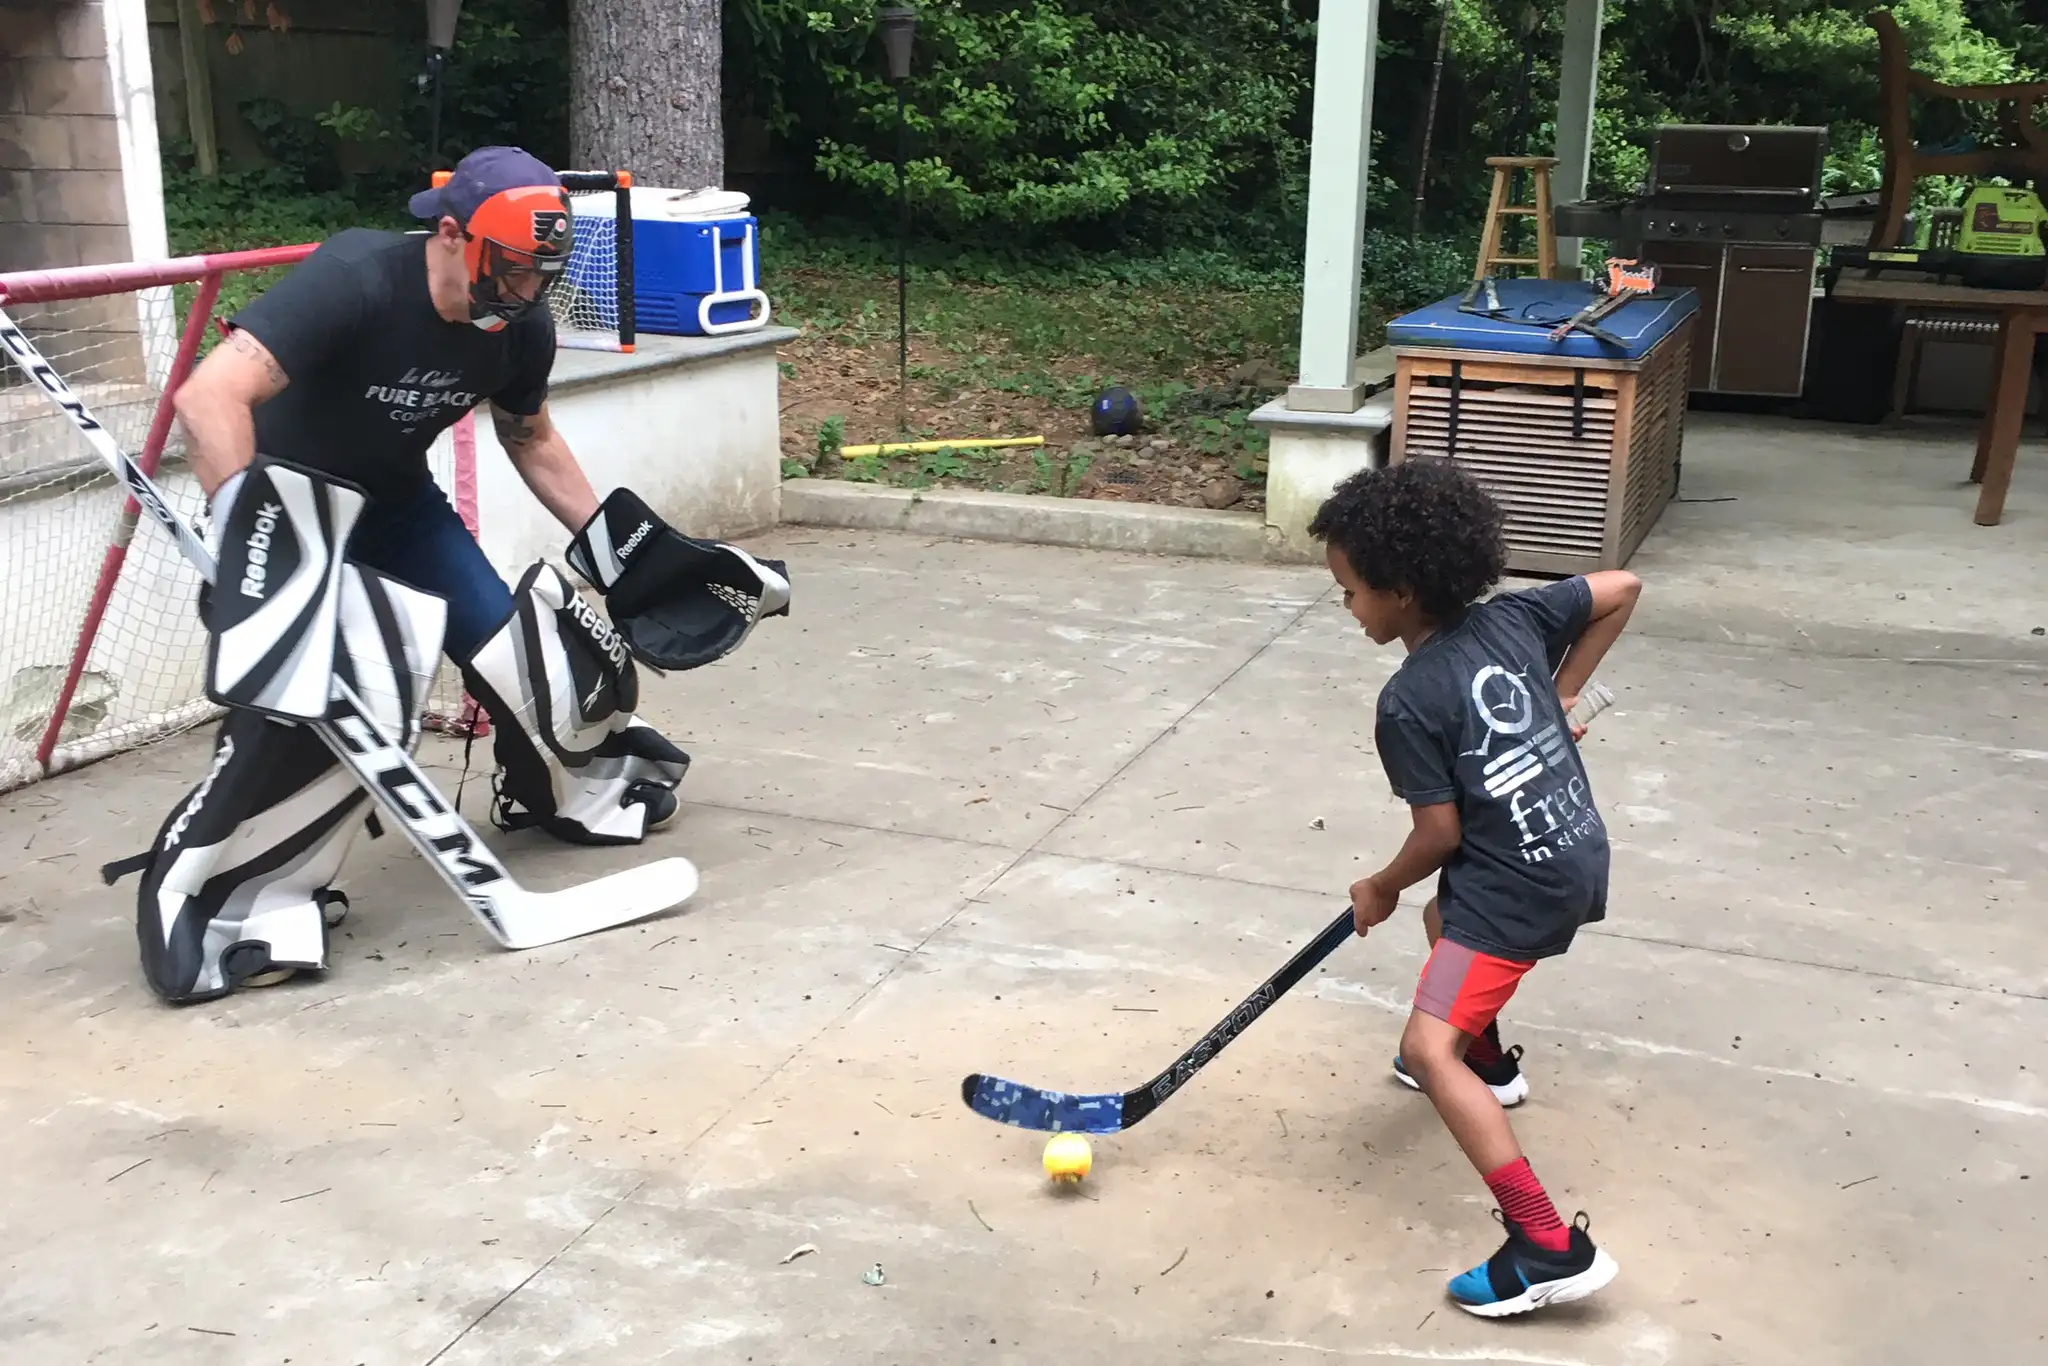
63 201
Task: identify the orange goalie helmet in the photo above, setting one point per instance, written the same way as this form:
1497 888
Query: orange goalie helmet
517 229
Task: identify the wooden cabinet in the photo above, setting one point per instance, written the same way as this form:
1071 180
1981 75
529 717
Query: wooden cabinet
1695 266
1766 304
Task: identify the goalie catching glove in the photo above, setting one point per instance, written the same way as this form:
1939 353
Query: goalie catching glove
677 602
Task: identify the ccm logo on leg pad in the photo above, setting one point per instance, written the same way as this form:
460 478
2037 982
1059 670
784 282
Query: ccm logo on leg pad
259 550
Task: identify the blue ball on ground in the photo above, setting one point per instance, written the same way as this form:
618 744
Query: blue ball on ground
1117 412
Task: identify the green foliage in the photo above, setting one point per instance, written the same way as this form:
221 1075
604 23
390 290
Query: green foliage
244 210
1041 114
1145 153
1046 469
506 81
831 436
1793 62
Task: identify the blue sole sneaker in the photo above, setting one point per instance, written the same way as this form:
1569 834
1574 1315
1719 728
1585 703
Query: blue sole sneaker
1524 1275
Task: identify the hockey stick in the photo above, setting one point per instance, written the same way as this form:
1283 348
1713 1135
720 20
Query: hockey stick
1027 1107
515 917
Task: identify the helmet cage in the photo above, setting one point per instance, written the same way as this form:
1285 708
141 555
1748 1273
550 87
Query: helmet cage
517 245
498 276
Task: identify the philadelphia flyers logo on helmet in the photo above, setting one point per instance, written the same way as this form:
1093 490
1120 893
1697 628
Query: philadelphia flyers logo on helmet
551 230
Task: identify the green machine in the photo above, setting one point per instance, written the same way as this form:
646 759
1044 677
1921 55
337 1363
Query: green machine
1994 241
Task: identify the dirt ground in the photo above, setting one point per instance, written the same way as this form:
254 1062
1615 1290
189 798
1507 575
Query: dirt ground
1198 453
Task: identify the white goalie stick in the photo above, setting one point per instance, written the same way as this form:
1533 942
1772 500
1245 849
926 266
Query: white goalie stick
515 917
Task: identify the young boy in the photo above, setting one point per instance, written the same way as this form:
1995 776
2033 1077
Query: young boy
1473 735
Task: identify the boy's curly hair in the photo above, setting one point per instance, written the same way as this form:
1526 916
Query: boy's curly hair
1423 525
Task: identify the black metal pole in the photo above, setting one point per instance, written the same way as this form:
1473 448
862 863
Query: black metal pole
1436 81
902 267
434 63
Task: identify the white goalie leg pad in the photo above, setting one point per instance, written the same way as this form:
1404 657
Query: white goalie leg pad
560 687
239 882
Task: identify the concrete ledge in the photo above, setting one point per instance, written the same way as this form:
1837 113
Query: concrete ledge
1082 523
691 424
653 351
1310 454
1373 416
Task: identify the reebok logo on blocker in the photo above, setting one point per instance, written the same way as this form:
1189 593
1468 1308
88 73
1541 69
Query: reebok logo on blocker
259 550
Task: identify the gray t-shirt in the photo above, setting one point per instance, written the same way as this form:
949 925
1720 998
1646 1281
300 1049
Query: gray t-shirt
1472 717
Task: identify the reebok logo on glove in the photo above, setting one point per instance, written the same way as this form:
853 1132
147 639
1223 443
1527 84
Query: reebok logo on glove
259 550
633 541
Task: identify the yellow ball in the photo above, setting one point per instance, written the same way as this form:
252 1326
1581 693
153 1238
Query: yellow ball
1067 1157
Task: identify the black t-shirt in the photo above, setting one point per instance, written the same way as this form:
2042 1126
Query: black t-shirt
1473 717
374 373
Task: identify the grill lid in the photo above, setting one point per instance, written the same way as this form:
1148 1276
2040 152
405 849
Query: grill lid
1779 165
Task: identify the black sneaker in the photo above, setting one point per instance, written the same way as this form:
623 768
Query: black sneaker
1504 1078
660 802
1524 1275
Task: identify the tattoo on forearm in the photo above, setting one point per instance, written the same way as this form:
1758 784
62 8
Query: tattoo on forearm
515 432
257 351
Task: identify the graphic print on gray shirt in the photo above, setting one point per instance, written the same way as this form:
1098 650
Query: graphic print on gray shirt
1472 717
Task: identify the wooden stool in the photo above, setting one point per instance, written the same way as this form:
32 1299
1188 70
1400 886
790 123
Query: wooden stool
1545 259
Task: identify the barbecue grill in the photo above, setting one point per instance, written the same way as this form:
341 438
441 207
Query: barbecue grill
1734 213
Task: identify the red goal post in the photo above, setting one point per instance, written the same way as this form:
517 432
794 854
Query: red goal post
101 649
100 644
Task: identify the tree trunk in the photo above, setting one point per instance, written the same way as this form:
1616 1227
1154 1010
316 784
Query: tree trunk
644 90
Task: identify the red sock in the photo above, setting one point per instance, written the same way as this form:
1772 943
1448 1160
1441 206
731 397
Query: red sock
1522 1199
1485 1049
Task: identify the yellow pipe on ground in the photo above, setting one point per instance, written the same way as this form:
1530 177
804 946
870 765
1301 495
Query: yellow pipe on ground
926 447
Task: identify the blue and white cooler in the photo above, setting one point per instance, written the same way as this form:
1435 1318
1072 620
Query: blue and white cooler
696 260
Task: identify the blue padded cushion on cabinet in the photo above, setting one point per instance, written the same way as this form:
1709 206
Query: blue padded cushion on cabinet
1638 325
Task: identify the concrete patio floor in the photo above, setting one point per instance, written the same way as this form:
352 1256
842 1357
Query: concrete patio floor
1050 813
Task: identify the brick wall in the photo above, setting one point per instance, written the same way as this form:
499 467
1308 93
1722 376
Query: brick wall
61 200
61 196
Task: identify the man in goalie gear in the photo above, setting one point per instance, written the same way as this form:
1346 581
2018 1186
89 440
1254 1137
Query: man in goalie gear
343 374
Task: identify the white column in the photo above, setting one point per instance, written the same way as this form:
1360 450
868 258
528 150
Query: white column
142 178
1578 83
1347 37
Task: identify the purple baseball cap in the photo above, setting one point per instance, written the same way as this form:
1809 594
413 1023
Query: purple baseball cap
478 176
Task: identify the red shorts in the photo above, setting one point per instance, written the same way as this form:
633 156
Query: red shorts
1466 988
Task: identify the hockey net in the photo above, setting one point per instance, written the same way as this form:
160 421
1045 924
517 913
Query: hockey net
593 302
593 306
101 649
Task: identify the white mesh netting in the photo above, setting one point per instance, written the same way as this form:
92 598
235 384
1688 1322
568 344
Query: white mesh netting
60 511
586 301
